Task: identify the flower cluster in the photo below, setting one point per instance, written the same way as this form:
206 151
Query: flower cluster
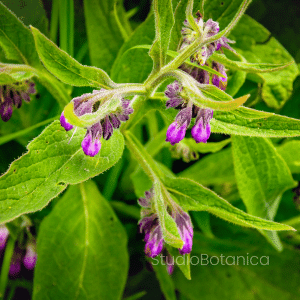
12 95
86 104
177 130
150 225
206 30
29 257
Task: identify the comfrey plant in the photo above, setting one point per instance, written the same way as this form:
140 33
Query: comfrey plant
189 79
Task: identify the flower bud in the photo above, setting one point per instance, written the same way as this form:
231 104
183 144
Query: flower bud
30 257
4 233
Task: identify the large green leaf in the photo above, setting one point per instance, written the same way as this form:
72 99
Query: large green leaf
104 36
193 196
66 68
49 166
164 21
16 40
82 249
249 122
262 176
254 43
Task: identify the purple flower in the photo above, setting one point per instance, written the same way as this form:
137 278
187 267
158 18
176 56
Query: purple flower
185 228
64 123
154 241
149 224
30 257
201 130
15 264
218 81
176 132
4 233
91 144
13 95
173 93
89 103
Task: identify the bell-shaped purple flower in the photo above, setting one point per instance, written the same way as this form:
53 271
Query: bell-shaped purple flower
218 81
107 128
173 93
91 144
176 132
153 235
64 123
114 121
201 130
15 264
30 257
185 228
4 233
6 108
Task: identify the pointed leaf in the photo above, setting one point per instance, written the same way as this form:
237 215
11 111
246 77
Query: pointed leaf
49 166
82 249
66 68
193 196
16 39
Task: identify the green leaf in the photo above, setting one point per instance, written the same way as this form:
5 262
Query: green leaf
254 43
104 36
66 68
262 177
164 279
123 70
290 152
193 196
168 226
82 249
249 67
247 122
16 39
164 21
212 169
32 181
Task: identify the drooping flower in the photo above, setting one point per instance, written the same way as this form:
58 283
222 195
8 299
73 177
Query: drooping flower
218 81
29 260
150 225
90 103
201 130
15 264
12 95
4 233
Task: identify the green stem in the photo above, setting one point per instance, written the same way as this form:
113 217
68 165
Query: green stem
54 20
12 136
5 266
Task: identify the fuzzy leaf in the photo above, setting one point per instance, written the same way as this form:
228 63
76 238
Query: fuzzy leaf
262 177
10 75
16 39
193 196
164 21
249 67
66 68
49 166
82 249
254 43
268 126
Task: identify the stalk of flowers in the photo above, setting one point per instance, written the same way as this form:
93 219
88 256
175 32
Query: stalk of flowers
176 97
89 103
28 258
13 95
150 225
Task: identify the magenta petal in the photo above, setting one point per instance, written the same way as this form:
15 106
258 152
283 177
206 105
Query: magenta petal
4 233
63 122
176 133
30 257
6 109
199 133
89 146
